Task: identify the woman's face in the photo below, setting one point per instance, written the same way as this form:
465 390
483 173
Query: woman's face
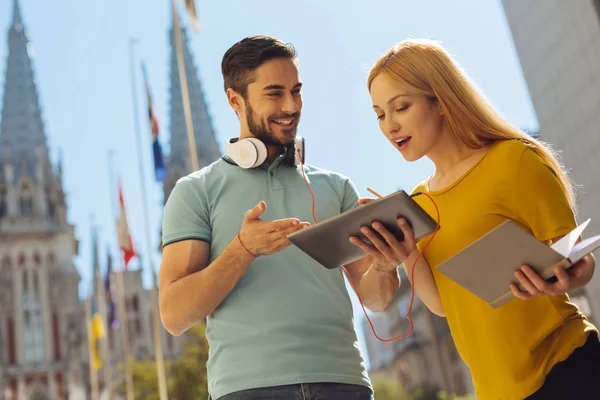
413 123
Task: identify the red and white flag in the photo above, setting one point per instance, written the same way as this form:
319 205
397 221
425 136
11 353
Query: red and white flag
125 242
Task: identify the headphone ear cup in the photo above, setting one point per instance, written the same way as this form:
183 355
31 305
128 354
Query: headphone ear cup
290 156
243 152
260 151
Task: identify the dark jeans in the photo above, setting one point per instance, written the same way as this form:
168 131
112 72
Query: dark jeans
577 377
304 391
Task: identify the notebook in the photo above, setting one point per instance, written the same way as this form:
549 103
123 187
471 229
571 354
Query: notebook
327 242
486 267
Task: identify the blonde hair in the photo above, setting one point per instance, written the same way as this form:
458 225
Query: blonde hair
429 70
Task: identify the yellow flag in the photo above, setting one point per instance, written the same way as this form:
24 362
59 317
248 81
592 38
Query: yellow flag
95 333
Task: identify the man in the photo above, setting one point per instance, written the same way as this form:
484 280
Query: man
279 325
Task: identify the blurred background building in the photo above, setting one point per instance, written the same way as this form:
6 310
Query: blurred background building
428 357
43 336
558 44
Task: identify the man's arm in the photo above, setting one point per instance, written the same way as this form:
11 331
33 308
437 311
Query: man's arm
375 286
189 289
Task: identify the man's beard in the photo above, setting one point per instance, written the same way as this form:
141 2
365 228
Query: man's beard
264 133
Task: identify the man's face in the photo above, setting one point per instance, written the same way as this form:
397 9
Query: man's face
272 108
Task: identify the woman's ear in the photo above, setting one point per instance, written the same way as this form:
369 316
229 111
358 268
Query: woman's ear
437 105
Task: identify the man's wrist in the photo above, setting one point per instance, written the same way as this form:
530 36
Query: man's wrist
237 250
385 269
250 253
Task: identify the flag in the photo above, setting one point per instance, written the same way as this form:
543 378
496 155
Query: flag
190 6
113 320
125 242
160 172
95 334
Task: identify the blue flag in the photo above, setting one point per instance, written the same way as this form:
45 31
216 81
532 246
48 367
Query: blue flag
160 171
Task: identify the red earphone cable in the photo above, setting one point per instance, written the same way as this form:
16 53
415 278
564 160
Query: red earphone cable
412 295
309 188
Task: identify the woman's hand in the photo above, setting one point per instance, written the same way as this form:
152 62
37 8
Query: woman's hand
566 280
387 253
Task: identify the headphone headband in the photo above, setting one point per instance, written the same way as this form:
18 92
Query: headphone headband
252 152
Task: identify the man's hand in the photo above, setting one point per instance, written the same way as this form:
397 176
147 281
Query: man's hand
566 280
261 237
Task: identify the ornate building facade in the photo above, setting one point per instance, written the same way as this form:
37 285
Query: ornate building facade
42 343
43 336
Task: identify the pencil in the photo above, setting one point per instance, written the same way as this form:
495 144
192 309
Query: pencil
374 193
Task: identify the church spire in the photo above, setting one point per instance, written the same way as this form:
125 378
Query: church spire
207 148
16 20
22 128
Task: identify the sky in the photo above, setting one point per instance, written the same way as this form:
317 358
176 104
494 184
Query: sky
83 72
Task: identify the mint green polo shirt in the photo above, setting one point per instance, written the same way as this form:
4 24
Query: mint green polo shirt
288 320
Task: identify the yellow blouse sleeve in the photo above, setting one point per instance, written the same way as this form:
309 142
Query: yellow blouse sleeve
540 201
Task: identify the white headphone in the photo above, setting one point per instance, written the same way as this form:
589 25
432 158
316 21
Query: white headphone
252 152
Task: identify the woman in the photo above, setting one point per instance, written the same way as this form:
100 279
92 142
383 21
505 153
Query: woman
486 171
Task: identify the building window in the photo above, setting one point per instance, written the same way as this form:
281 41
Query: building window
37 320
26 205
51 208
134 303
32 318
56 335
6 272
26 200
6 284
27 331
12 354
3 202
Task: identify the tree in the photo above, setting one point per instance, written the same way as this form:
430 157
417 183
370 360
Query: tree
445 396
426 391
388 389
186 376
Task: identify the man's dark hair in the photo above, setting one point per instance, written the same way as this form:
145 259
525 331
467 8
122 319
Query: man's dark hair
244 57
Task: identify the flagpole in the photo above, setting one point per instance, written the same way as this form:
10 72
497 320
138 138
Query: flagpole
185 96
93 371
125 335
101 300
124 322
158 350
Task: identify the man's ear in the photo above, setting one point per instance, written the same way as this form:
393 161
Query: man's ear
236 101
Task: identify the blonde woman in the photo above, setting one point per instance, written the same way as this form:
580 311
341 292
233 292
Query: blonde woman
486 171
